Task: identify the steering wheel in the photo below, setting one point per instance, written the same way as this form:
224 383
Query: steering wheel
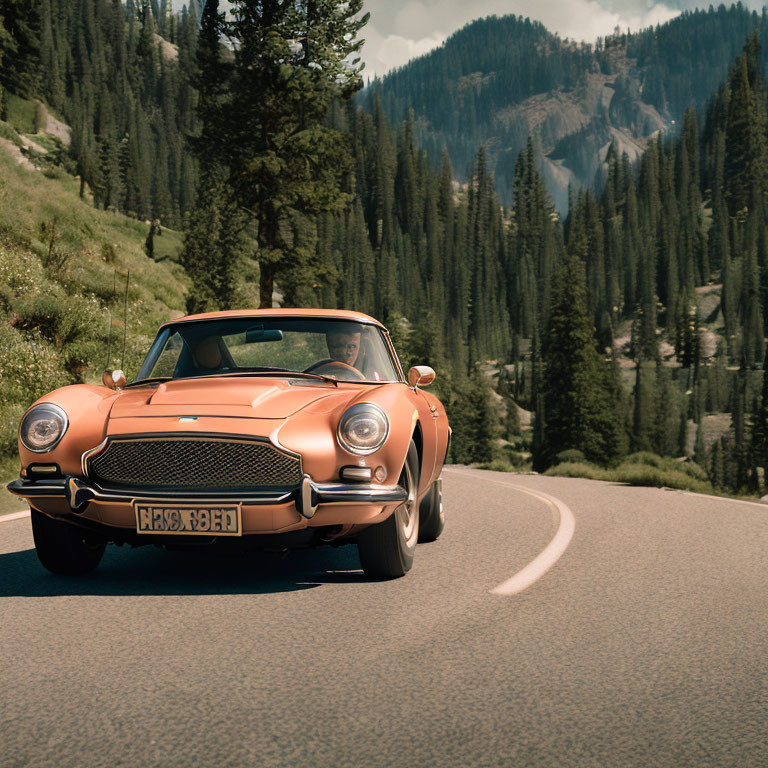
331 364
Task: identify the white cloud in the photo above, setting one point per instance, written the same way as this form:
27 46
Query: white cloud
382 54
396 35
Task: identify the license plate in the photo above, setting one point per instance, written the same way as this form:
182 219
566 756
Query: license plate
188 519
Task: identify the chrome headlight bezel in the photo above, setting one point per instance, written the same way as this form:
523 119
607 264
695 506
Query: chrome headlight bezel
355 411
37 412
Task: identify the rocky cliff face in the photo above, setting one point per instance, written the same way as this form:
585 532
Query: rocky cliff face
574 127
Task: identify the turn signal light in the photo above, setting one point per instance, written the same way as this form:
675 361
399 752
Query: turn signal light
358 474
43 469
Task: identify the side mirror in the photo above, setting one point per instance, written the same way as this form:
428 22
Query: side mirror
421 376
113 379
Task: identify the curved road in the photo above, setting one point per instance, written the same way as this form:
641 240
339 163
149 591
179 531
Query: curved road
645 644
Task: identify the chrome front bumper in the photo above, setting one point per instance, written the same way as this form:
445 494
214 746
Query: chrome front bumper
307 497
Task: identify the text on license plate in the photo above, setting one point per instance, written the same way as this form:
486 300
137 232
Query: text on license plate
218 520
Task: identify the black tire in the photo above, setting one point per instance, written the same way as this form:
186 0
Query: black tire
64 548
431 514
386 549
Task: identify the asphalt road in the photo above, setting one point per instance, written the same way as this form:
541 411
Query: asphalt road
645 644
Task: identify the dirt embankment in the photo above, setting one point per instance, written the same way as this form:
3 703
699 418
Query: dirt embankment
16 153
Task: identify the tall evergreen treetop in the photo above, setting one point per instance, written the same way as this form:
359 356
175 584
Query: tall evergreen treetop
746 146
291 60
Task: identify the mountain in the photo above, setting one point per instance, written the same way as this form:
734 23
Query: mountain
499 79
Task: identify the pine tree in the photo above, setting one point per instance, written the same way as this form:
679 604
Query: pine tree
576 395
759 431
213 248
746 151
290 64
19 48
699 451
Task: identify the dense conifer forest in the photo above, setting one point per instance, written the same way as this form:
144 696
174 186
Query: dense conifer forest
635 324
498 80
119 75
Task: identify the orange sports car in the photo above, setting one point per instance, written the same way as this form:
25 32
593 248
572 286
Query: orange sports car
278 428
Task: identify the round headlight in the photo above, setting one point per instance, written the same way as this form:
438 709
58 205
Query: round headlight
43 427
363 428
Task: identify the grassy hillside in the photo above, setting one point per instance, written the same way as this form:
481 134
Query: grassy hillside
63 269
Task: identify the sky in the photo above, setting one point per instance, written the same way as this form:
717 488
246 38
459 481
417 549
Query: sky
400 30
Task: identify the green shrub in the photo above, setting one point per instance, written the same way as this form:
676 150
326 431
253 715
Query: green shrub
572 455
29 367
647 458
54 172
61 320
668 474
578 469
10 417
516 458
499 465
667 464
694 470
639 474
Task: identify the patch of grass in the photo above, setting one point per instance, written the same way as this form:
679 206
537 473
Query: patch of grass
10 503
47 141
21 113
54 172
29 199
9 132
9 470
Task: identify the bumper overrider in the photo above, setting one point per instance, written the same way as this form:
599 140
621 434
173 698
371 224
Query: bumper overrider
78 493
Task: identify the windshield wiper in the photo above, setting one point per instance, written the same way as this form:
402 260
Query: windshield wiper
154 380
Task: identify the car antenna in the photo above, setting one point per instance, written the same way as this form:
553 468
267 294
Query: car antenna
109 333
125 316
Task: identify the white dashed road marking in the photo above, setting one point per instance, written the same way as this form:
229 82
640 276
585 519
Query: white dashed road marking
14 516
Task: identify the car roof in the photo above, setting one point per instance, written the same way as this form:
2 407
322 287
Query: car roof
334 314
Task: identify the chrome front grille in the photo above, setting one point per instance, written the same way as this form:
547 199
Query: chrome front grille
172 463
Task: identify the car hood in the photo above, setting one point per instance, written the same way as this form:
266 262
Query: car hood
225 397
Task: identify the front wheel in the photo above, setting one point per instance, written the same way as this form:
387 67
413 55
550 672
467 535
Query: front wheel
64 548
431 514
386 549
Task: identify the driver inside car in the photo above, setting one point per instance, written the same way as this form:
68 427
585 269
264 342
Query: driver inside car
344 345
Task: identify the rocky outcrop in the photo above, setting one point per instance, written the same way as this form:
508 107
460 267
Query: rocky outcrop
575 127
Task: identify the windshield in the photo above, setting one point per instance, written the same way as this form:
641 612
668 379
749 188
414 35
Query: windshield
340 349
